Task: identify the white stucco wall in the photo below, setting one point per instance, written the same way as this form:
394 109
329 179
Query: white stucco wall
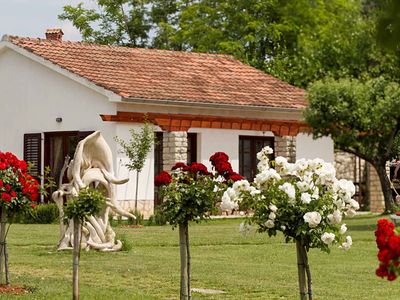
210 141
307 147
146 177
33 96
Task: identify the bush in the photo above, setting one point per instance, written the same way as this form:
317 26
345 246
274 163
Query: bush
158 219
126 243
139 218
43 214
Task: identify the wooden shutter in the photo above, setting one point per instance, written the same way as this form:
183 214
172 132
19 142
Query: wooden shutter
33 152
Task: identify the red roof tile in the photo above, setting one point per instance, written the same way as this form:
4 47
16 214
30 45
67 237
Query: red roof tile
137 73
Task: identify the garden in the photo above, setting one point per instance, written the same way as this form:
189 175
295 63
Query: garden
244 266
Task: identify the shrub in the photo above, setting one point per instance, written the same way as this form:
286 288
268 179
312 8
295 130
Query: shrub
158 219
43 214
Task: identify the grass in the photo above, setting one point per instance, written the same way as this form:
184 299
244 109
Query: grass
245 267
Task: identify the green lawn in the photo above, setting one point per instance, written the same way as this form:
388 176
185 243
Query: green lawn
251 267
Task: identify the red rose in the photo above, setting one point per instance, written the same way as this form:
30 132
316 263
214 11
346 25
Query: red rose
5 197
3 166
1 183
8 187
198 168
236 177
218 157
179 165
13 194
34 197
162 179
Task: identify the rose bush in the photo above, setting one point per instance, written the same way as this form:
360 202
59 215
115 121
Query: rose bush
388 242
303 200
191 193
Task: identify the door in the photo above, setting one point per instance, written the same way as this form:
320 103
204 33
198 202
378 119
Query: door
249 146
57 145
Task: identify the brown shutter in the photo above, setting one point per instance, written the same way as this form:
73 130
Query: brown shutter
33 151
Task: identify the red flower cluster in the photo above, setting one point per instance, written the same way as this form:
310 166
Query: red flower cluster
389 250
220 161
162 179
194 168
17 187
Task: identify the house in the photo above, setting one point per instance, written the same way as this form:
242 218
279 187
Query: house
53 93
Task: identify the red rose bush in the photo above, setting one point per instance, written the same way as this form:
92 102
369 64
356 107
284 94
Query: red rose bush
388 243
191 193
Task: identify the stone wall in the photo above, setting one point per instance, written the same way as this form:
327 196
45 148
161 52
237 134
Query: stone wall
174 148
286 146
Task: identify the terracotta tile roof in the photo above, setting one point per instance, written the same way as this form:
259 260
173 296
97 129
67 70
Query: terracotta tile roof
168 75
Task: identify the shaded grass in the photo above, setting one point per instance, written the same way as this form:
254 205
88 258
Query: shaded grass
245 267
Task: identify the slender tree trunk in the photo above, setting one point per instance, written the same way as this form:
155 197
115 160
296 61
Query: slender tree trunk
75 254
188 262
308 273
3 253
385 184
184 294
301 271
136 190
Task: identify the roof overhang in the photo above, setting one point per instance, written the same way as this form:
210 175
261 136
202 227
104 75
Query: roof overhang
6 44
183 122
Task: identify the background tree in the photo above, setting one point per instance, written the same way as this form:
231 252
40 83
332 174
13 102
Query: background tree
362 118
137 149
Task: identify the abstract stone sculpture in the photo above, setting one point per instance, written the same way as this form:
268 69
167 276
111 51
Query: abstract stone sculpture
92 166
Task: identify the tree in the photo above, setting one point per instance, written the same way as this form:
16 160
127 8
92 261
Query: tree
362 117
137 149
88 203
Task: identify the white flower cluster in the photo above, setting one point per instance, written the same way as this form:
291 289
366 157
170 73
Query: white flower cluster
309 186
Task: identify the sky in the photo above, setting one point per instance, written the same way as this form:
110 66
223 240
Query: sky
31 18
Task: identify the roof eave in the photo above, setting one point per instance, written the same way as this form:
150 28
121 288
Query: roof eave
5 43
211 105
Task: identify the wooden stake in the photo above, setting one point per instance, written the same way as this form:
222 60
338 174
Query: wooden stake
3 224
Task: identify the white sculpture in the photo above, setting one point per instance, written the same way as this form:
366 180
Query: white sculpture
91 166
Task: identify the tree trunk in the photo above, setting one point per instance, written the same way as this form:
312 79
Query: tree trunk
136 190
385 184
308 273
75 254
3 259
301 271
188 262
184 294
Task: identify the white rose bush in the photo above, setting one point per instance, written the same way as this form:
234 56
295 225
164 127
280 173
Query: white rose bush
303 200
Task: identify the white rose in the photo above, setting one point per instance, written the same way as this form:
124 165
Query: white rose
343 229
335 218
288 188
328 238
312 218
305 198
272 216
270 224
273 208
303 186
347 244
354 204
351 212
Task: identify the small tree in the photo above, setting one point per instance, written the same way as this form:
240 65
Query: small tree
303 200
191 194
19 191
362 118
89 202
137 149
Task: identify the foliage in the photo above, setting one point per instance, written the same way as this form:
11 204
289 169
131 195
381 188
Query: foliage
126 243
138 146
43 214
303 200
298 41
18 189
192 192
157 219
362 117
89 202
139 218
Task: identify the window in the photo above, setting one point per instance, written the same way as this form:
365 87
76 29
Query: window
33 152
249 146
191 148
